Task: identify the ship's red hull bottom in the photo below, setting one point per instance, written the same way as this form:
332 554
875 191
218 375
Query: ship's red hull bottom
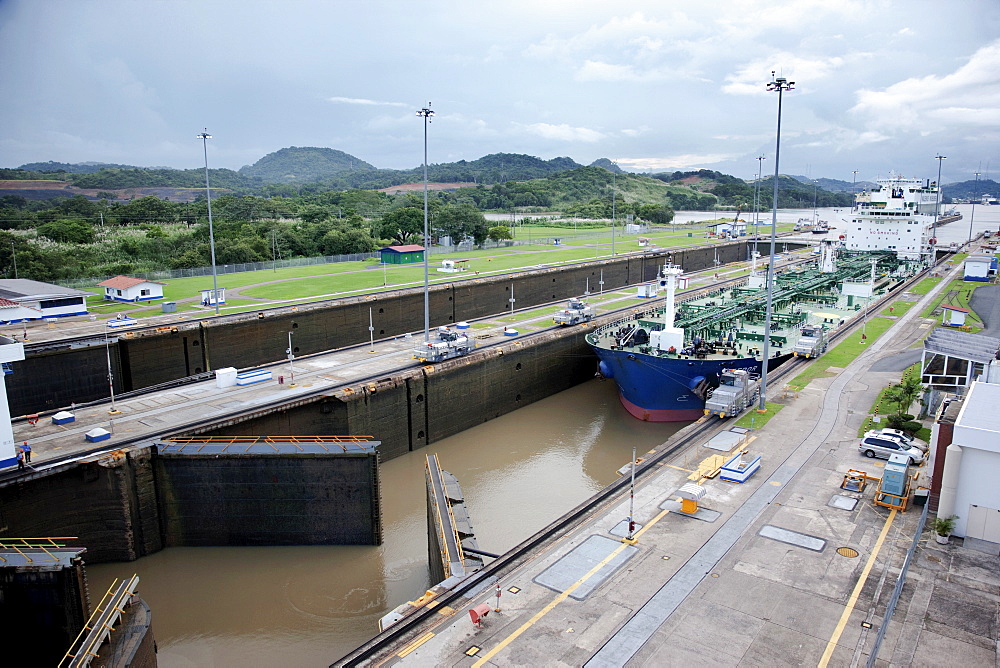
661 415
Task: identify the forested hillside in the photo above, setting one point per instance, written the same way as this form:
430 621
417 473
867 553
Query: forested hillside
72 168
271 210
303 165
969 190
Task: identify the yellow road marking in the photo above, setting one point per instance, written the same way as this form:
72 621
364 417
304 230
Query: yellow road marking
416 643
853 600
563 596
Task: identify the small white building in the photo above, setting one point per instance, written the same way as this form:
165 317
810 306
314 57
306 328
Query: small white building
129 289
979 267
14 312
730 228
10 351
51 301
954 316
212 297
969 488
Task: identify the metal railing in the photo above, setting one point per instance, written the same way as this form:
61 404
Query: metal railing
894 599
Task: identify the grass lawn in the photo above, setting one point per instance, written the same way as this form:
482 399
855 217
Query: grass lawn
842 354
527 315
964 291
926 285
313 281
898 308
754 420
884 406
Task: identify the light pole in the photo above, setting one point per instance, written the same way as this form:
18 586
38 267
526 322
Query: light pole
291 361
614 192
211 231
111 376
973 216
631 501
756 199
780 85
13 255
426 114
937 204
854 191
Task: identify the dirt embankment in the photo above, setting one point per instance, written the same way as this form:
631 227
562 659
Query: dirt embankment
39 190
414 187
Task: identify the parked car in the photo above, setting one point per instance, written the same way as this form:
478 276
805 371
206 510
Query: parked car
901 436
875 445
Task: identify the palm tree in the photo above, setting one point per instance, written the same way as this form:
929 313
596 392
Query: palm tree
903 395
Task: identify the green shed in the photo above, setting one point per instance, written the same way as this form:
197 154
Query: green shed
402 254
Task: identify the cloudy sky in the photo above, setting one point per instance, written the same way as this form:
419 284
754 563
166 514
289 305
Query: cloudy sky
880 85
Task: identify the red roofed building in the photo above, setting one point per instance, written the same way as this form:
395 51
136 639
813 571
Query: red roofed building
954 316
128 289
11 311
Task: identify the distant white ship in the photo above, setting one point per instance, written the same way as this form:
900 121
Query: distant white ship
897 215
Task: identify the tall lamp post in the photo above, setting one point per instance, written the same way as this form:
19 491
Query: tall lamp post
614 191
111 375
211 231
426 114
937 204
854 190
973 216
780 85
756 200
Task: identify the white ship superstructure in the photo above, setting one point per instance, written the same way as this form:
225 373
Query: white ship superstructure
897 215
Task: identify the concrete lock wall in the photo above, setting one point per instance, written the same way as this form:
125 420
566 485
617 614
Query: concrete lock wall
44 608
53 377
109 506
135 502
299 499
421 405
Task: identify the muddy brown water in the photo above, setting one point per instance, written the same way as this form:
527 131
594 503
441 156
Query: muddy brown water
308 606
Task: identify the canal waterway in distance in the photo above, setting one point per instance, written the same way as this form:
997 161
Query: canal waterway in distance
308 606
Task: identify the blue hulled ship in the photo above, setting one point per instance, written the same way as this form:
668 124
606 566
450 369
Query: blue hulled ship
667 360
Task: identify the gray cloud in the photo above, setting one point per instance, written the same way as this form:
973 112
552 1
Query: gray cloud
658 85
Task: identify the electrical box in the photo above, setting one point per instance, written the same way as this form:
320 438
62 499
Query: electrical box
895 475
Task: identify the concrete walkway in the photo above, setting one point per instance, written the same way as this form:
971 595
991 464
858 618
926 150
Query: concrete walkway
727 592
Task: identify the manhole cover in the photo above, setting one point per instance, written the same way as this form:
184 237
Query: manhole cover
847 552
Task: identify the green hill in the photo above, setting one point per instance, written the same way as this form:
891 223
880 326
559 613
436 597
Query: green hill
584 191
72 168
304 164
969 190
